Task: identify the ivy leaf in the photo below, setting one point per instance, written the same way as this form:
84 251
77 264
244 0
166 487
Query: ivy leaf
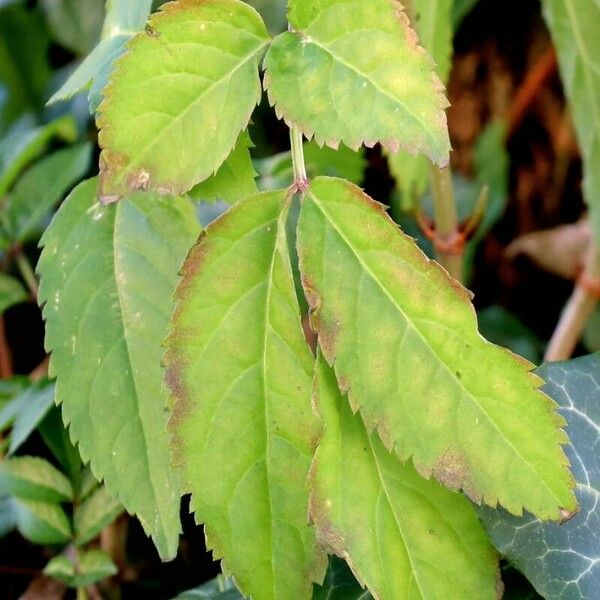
404 339
34 478
220 588
11 292
366 504
241 384
107 278
98 511
573 26
561 561
387 93
203 57
340 584
41 187
235 179
124 19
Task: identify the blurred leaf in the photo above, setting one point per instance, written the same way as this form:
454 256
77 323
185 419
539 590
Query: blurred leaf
460 10
573 25
8 515
123 20
87 484
92 566
11 292
276 172
75 24
501 327
235 179
24 68
97 512
340 584
41 522
106 354
412 176
221 588
33 478
562 561
55 435
30 408
591 335
24 142
42 187
274 13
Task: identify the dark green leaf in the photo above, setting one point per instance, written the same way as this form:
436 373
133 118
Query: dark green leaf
221 588
11 292
340 584
563 561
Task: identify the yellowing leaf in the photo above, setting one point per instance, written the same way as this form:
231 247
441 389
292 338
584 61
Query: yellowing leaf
180 96
404 537
240 372
404 340
351 71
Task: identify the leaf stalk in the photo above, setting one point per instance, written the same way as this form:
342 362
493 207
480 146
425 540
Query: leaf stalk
298 162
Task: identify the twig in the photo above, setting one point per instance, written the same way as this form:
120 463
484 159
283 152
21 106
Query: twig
578 310
299 165
449 240
5 353
27 272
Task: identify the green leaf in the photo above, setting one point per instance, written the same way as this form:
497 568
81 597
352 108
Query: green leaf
56 437
75 24
404 339
561 561
340 584
241 386
412 176
28 410
24 142
318 80
8 517
93 566
235 178
203 57
34 478
389 523
108 274
123 20
42 187
41 522
11 292
97 512
574 28
433 22
460 10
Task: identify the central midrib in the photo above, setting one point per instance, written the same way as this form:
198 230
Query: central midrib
424 340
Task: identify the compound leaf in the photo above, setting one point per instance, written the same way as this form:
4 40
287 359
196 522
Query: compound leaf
240 372
180 96
108 274
386 92
389 523
562 561
574 28
403 336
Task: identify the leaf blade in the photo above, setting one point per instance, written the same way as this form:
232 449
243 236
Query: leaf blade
107 278
143 140
373 294
317 81
253 407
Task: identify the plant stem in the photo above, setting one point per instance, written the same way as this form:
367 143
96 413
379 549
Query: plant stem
576 313
27 272
299 165
81 593
5 354
446 221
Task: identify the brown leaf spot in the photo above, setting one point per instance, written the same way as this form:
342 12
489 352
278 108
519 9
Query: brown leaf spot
453 471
